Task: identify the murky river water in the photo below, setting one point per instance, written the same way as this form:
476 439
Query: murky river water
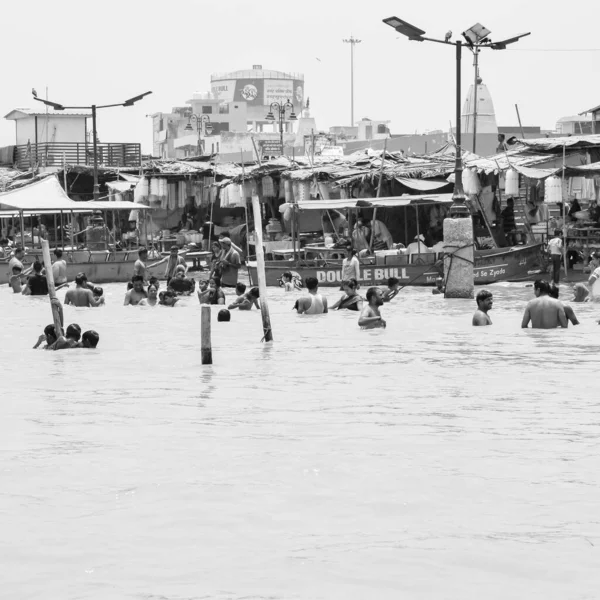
429 460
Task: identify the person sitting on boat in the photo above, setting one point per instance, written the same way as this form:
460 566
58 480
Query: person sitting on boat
180 284
246 301
81 296
229 264
173 261
333 223
37 284
381 238
314 303
508 221
351 266
392 289
370 317
59 268
137 293
350 300
569 312
139 267
485 300
360 236
439 288
418 246
544 312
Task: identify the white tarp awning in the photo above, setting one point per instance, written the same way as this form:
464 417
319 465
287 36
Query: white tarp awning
421 185
41 196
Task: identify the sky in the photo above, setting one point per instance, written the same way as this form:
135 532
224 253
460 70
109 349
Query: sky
104 53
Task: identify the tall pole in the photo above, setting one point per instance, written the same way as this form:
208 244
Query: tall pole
459 208
95 142
281 116
475 84
352 41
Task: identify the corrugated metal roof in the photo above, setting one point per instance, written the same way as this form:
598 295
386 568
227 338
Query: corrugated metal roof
572 141
51 113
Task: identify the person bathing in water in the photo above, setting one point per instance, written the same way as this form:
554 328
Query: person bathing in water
370 317
485 300
81 295
314 303
246 301
137 293
543 312
569 312
350 299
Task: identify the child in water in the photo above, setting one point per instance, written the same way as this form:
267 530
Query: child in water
288 286
15 280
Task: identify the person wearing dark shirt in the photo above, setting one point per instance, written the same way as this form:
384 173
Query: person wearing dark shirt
180 284
508 221
36 284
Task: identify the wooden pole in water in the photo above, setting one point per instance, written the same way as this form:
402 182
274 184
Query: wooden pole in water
378 192
51 288
205 337
246 208
260 269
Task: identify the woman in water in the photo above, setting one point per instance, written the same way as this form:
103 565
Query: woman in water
350 300
215 259
213 294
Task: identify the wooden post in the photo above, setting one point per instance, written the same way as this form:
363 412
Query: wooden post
260 270
51 288
205 338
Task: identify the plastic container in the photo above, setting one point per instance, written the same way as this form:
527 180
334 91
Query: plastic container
512 183
553 190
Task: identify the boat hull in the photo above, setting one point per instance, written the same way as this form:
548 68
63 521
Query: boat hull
511 264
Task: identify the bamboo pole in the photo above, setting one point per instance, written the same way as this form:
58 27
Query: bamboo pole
378 192
51 289
564 211
245 207
205 336
260 270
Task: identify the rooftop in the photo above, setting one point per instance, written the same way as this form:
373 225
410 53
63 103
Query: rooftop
256 74
51 113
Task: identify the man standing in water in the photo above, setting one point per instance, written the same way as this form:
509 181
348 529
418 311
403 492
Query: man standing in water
484 300
139 268
314 303
81 295
543 311
370 317
137 293
230 264
59 268
569 312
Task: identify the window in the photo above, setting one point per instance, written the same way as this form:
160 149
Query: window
223 127
381 129
224 109
207 110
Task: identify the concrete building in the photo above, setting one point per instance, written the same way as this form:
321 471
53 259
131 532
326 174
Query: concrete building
575 125
33 126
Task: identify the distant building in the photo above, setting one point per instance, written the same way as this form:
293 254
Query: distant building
32 126
485 113
595 116
574 125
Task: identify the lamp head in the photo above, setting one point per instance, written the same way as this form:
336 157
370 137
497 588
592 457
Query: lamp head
293 116
208 128
270 116
410 31
131 101
188 127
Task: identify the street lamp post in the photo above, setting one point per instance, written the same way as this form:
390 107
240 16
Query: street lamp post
352 41
204 127
476 38
278 107
93 108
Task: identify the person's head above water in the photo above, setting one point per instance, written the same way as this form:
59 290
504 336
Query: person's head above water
393 282
214 282
154 281
80 279
254 293
484 300
174 250
90 339
349 285
37 267
19 252
58 253
74 332
374 296
287 276
180 272
541 287
581 292
553 291
16 270
311 284
224 315
143 252
240 288
138 283
50 333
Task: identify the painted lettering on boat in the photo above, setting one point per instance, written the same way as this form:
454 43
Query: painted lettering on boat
489 272
332 276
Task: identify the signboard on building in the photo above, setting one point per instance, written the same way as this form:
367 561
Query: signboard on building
260 92
270 148
279 90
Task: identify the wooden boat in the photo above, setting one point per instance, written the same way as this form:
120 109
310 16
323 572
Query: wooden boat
102 264
501 264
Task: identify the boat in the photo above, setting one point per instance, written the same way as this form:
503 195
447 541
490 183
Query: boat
100 261
515 263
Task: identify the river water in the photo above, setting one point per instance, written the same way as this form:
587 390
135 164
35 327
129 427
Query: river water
428 460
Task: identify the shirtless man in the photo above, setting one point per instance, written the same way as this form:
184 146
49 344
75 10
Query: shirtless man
15 279
392 289
569 312
49 336
137 293
70 340
139 267
543 311
81 295
484 300
314 303
246 301
59 268
370 317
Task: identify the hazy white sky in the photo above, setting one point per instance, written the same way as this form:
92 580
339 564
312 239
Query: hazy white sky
108 51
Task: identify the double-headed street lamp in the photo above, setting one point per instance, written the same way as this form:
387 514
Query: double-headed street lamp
204 127
476 38
93 108
281 110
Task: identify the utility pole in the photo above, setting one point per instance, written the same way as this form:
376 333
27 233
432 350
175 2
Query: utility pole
352 41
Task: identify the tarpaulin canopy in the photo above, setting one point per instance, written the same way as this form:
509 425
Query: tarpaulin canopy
584 170
421 185
406 200
327 204
120 186
573 141
42 196
115 205
533 173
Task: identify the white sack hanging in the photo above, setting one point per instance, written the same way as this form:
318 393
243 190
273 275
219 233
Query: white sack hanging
512 183
154 191
268 187
287 215
303 191
141 191
289 191
553 190
471 184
